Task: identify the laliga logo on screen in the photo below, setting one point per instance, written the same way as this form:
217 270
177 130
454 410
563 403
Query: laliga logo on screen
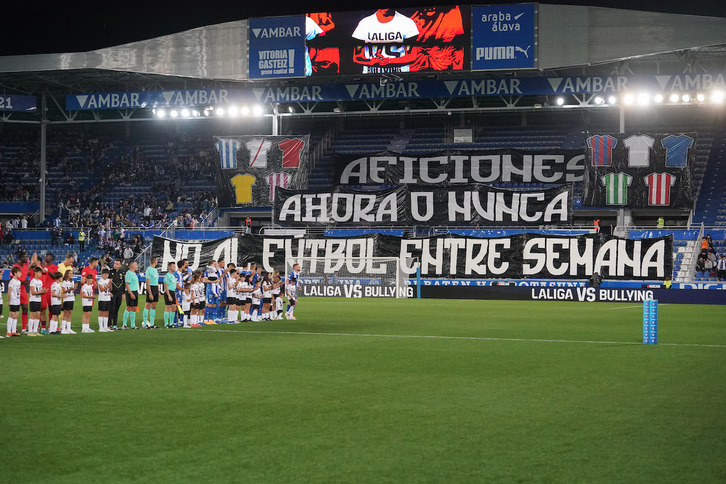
277 32
502 22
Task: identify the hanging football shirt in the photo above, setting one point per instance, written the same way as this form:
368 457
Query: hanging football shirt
227 149
616 188
659 188
677 149
243 187
639 150
258 148
291 151
602 149
275 180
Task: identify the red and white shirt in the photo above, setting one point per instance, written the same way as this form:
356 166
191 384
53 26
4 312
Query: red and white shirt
275 180
659 188
258 148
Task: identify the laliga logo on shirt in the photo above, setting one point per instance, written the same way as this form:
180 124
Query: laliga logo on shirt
502 22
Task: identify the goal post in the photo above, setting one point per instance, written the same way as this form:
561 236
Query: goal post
355 277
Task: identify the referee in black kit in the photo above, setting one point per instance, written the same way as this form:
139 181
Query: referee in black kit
117 292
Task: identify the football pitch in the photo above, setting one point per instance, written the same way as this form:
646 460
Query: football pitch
375 391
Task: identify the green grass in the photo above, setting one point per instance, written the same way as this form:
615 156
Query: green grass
485 400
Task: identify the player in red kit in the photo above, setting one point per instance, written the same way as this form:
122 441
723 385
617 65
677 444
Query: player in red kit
24 267
49 269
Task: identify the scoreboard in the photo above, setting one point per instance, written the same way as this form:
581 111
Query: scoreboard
394 41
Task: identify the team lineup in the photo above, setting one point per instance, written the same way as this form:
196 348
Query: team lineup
221 294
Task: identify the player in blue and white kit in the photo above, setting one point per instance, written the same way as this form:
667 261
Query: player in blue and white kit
291 290
294 273
179 293
212 292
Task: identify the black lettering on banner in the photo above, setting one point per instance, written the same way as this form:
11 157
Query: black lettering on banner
412 205
460 167
520 256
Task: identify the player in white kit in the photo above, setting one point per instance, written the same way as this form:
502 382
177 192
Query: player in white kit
14 301
56 301
36 297
87 304
104 301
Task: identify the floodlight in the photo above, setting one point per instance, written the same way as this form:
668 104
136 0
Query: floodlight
643 98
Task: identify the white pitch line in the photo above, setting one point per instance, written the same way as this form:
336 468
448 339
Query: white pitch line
468 338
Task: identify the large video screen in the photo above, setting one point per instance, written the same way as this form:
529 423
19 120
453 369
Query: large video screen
388 41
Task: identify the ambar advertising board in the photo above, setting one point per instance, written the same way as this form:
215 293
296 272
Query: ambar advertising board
277 47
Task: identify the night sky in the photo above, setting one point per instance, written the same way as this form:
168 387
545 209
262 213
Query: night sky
79 26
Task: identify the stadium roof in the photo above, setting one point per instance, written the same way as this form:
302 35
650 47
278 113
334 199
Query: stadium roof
573 40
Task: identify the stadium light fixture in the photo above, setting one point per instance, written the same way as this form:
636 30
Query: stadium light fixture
686 98
291 109
674 98
599 100
700 97
245 111
174 113
185 113
643 99
658 98
628 99
612 100
219 111
560 101
717 97
258 110
233 111
196 113
160 113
